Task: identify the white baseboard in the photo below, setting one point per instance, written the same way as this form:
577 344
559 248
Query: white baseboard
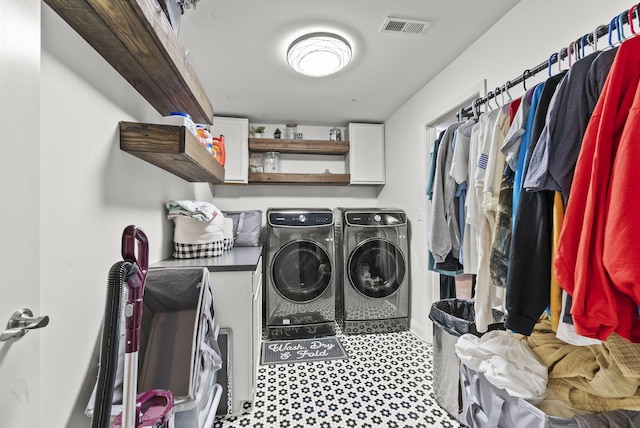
424 333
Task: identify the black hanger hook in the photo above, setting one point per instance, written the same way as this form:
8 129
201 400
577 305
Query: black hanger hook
525 74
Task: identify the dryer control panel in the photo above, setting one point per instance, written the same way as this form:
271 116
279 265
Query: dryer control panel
300 218
375 218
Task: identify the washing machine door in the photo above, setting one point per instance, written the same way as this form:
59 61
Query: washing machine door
301 271
376 268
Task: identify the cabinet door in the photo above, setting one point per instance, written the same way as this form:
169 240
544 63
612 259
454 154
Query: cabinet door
366 153
236 143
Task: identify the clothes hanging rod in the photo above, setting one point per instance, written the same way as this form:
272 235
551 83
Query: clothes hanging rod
575 49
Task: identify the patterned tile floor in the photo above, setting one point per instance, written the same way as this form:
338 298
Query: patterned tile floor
385 382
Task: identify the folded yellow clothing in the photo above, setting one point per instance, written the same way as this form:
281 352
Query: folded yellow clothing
595 378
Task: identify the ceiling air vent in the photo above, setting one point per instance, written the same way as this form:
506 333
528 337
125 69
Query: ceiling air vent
402 25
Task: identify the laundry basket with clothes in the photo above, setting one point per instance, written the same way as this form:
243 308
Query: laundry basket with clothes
198 229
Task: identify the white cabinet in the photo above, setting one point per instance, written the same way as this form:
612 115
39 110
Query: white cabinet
237 298
236 142
358 159
366 153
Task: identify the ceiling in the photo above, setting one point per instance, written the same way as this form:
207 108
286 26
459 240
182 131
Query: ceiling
238 50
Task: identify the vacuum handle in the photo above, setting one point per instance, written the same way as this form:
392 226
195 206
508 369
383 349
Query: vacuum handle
133 238
135 249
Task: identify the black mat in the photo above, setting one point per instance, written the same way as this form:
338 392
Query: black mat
302 350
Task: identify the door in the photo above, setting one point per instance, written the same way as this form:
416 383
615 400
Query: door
236 134
366 153
19 185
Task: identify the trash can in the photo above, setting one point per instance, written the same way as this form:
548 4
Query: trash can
451 319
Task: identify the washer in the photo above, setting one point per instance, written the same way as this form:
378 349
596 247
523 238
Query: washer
300 298
373 256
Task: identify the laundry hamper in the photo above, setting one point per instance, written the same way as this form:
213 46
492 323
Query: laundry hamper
451 319
193 238
179 349
178 345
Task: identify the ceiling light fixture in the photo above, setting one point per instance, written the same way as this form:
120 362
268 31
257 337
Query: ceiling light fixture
319 54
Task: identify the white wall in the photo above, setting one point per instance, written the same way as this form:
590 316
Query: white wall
90 191
524 38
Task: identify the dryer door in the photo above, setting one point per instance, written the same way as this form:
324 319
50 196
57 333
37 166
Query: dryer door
376 268
301 271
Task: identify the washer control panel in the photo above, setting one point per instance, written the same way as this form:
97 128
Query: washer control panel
298 218
356 218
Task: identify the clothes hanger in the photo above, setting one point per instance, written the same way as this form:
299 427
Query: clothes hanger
613 24
495 97
506 89
474 108
630 19
524 79
579 50
582 43
620 26
576 50
595 36
500 92
480 101
488 102
555 54
570 51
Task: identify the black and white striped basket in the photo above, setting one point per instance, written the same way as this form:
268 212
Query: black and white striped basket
196 251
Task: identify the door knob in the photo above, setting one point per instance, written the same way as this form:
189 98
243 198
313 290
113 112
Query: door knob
21 322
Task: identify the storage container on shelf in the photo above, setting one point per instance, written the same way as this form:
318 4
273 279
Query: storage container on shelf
271 162
290 131
218 150
180 118
255 163
205 138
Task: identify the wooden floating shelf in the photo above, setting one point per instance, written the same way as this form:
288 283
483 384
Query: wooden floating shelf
172 148
317 147
136 38
318 179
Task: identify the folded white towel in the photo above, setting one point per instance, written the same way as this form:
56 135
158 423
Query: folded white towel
200 210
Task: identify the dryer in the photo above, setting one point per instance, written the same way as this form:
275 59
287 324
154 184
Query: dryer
300 277
374 276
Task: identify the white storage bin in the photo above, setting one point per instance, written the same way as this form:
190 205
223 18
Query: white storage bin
180 120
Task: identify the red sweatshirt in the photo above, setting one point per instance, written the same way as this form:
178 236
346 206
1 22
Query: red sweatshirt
601 307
